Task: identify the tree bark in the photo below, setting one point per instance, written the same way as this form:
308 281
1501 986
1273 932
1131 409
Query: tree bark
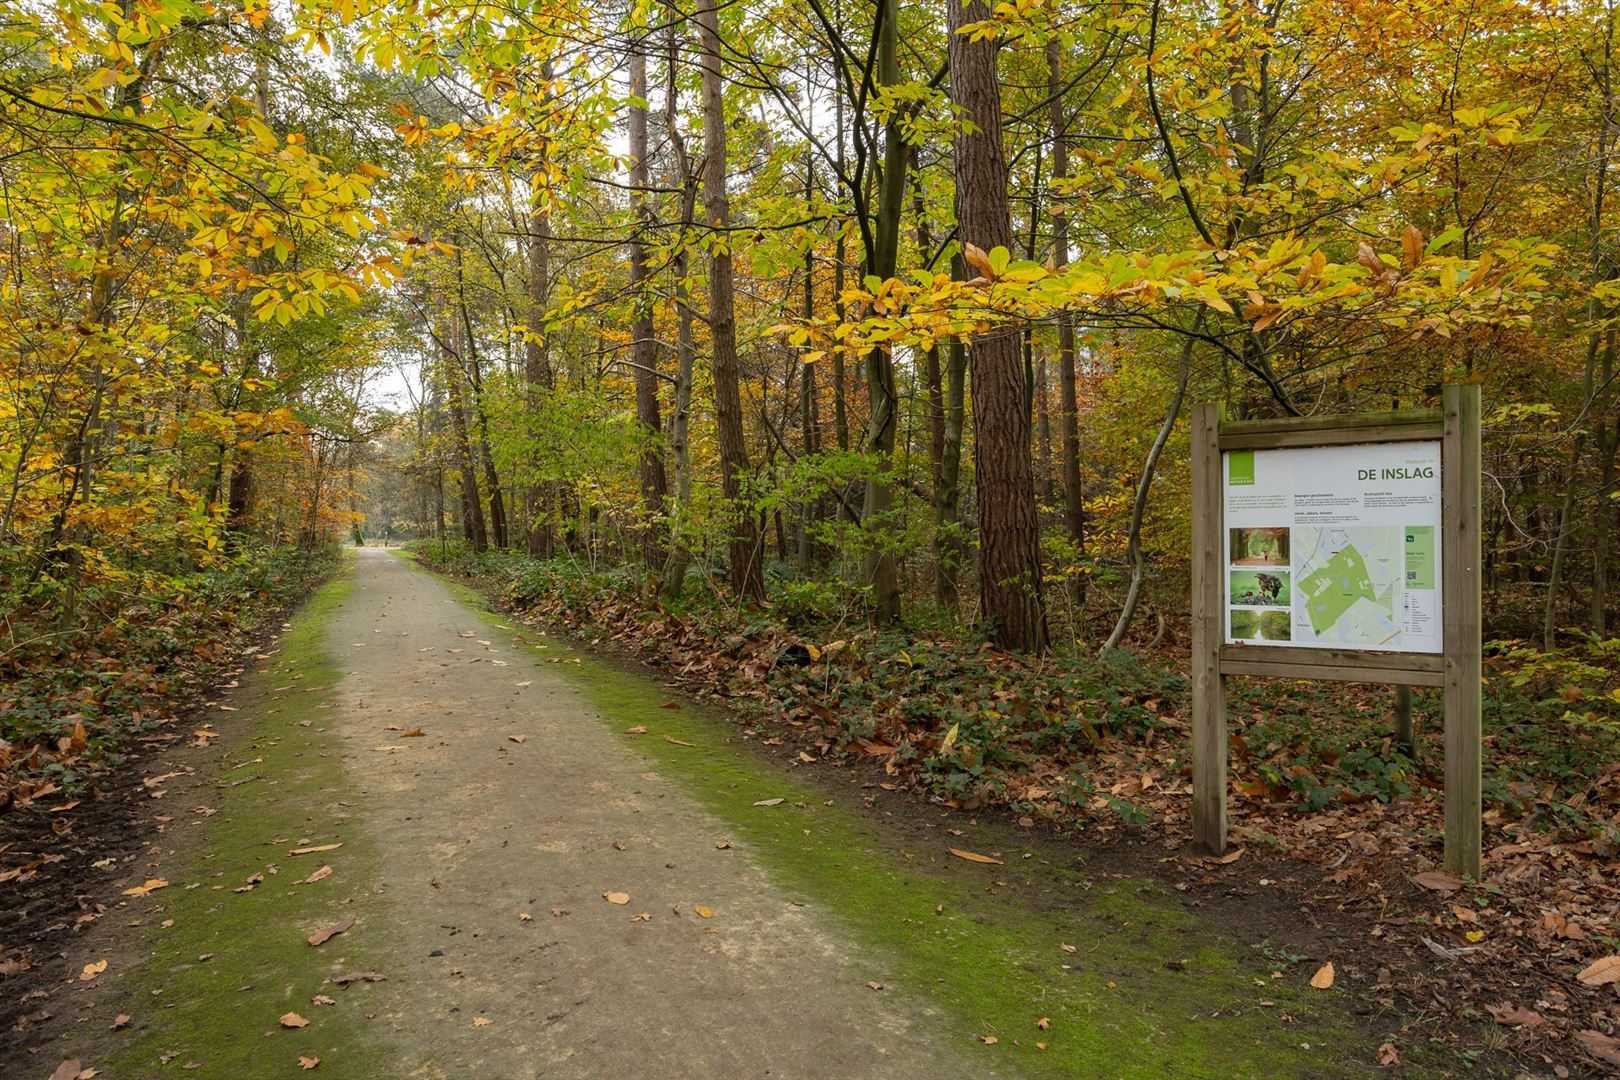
747 579
1010 603
644 346
1074 518
882 571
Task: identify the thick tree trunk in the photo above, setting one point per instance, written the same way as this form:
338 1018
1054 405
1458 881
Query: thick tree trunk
644 346
745 556
1009 538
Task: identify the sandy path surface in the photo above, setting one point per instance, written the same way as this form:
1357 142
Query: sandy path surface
495 855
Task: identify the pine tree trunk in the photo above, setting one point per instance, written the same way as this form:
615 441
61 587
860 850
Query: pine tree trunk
1009 539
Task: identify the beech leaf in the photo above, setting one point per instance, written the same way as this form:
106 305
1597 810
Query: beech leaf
321 937
974 856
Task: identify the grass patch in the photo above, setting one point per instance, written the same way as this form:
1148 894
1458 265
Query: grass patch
233 963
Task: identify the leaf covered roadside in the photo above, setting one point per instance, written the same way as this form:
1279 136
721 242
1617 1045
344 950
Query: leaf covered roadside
1101 747
79 681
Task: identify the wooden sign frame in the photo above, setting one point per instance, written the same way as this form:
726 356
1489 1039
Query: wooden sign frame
1457 670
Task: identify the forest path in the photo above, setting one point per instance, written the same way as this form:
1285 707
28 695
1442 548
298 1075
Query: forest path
429 843
493 856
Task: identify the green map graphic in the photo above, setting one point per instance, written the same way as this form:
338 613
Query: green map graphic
1350 581
1334 588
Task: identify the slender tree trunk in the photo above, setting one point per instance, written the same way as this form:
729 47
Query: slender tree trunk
745 556
644 347
807 380
469 352
950 543
674 575
882 571
1009 539
1074 519
472 507
1133 536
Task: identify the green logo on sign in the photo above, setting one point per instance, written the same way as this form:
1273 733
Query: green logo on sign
1240 470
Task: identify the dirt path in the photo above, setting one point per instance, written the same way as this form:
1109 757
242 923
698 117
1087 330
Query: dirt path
500 851
455 795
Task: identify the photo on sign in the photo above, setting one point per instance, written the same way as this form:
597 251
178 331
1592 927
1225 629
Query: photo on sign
1260 547
1261 625
1260 588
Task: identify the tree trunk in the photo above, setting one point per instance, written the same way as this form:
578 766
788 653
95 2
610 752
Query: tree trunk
674 576
744 548
950 545
472 507
644 346
1009 538
882 571
1074 518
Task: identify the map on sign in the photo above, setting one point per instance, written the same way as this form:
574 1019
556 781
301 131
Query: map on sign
1334 546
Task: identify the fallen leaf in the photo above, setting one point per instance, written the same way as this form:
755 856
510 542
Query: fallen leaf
1601 972
324 871
92 970
1066 947
1323 977
1388 1055
1437 880
874 986
322 999
313 850
152 885
413 733
1514 1015
517 738
620 845
677 742
670 705
989 1040
703 912
641 917
482 1021
1044 1023
770 802
321 937
524 916
293 1020
974 856
358 976
639 729
68 1070
1231 857
1605 1048
722 845
558 912
121 1020
616 897
307 1062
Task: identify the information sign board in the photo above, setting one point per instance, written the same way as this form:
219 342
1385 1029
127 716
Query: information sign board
1334 547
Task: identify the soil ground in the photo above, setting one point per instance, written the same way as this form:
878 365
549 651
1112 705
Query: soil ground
485 800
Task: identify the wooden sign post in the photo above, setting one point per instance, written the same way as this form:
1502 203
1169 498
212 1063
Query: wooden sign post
1336 579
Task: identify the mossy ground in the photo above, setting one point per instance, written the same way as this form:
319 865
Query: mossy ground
1149 989
232 963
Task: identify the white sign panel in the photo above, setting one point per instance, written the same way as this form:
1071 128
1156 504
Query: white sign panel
1334 546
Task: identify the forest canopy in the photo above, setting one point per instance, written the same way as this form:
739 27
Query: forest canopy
868 309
